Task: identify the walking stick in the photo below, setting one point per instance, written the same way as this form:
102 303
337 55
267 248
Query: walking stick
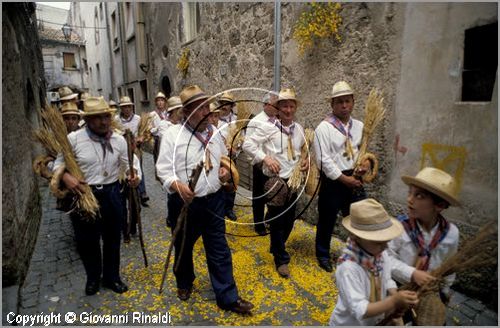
193 179
134 197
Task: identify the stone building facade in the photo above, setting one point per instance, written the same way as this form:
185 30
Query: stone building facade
23 92
417 54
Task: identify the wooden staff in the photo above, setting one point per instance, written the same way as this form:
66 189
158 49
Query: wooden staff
133 197
181 222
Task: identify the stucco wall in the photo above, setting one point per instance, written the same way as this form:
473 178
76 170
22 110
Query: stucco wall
429 110
54 65
23 90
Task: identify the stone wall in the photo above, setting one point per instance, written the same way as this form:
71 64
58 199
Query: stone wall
23 90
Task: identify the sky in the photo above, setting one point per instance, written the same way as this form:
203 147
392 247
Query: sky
62 5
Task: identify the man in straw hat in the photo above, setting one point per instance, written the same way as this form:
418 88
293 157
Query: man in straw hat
336 144
279 149
363 275
158 114
428 238
227 119
100 154
71 116
182 148
263 120
67 95
174 115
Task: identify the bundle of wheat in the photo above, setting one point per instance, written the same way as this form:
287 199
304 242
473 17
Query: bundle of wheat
297 178
47 140
235 136
429 310
374 113
87 202
475 252
145 127
40 166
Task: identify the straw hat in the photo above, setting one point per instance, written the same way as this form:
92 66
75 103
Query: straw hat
66 93
191 94
369 220
341 88
125 100
214 108
84 96
70 108
437 182
160 95
112 104
226 97
96 106
288 94
173 103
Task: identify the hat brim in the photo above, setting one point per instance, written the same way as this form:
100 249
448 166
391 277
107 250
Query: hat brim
72 96
101 111
127 104
340 94
386 234
409 180
191 100
298 102
79 113
173 108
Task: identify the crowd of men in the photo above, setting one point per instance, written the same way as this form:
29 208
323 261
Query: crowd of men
190 129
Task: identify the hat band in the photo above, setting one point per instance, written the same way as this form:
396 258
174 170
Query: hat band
372 227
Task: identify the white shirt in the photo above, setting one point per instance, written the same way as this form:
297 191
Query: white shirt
180 152
353 284
155 122
132 123
89 157
163 126
250 145
329 147
273 142
404 254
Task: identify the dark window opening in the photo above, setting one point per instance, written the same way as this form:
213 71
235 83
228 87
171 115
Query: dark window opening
165 86
480 62
144 90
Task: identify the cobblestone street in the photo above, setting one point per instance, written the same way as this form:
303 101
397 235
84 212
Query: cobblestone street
56 278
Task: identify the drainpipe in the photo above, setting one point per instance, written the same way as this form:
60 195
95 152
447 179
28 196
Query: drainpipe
277 45
142 58
123 43
110 48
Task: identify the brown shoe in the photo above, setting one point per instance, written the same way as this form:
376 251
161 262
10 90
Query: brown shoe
240 306
184 294
284 271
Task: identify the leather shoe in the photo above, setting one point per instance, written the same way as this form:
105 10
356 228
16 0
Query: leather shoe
116 286
240 306
325 265
283 270
184 293
91 287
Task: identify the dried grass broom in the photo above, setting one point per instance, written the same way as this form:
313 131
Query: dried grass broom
298 177
374 113
86 202
235 136
475 252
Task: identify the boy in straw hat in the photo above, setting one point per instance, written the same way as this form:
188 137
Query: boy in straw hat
336 144
363 275
174 115
182 148
100 153
428 238
278 148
